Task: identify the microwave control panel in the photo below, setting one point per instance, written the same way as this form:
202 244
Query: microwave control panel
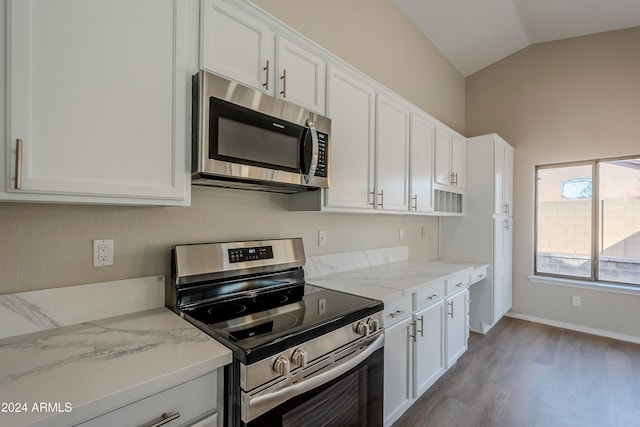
321 169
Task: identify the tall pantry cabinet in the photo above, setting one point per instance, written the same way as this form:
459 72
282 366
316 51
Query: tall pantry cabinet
485 233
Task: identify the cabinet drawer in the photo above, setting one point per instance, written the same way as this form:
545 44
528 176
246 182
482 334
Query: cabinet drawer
478 274
396 310
429 295
458 281
191 400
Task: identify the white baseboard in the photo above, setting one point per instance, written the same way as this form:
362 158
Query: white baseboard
577 328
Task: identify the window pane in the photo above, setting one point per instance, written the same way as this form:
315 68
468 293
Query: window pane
564 220
619 228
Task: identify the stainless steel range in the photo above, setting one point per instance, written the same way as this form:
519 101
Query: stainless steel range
303 355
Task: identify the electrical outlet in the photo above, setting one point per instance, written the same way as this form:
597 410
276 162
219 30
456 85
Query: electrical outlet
102 252
575 301
322 237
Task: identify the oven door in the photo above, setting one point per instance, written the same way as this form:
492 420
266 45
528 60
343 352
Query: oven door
348 394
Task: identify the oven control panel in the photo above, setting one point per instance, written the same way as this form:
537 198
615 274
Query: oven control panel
250 254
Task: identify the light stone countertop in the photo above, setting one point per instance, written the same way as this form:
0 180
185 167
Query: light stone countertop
390 282
94 367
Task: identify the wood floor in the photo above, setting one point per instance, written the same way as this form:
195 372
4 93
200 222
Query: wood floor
526 374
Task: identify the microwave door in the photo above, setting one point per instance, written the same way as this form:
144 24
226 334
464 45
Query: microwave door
239 135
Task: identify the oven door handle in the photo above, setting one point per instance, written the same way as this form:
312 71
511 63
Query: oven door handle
286 393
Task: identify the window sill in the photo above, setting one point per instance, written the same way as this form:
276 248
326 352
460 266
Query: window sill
584 284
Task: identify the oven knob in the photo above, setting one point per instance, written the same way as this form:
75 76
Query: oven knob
373 324
361 328
299 357
281 366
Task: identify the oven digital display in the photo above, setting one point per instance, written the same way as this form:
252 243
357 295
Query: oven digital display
250 254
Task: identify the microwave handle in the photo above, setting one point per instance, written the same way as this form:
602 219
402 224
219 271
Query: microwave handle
314 151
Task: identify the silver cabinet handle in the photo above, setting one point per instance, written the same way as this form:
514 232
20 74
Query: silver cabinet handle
18 184
413 325
506 224
397 313
451 178
165 419
455 178
459 285
506 208
421 319
415 202
314 151
374 203
283 92
432 297
266 79
451 305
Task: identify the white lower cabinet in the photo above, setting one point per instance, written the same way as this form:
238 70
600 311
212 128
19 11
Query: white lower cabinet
421 347
456 325
191 403
428 350
397 369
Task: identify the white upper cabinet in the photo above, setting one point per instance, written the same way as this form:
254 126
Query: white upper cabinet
237 46
98 96
244 48
458 160
392 154
503 183
301 76
450 159
422 148
351 104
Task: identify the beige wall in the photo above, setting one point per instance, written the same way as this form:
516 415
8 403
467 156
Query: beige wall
378 39
555 102
44 245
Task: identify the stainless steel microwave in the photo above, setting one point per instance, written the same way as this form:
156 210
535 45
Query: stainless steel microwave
244 138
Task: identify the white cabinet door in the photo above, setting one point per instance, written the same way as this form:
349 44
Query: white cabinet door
392 154
422 146
428 356
498 178
501 230
508 180
456 326
184 403
503 179
98 96
458 161
450 159
397 370
301 76
502 266
351 106
443 157
236 45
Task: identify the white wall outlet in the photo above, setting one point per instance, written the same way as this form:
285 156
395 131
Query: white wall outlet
102 252
424 232
575 301
322 237
401 234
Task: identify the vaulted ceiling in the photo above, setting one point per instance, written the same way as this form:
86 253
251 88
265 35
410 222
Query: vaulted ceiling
475 33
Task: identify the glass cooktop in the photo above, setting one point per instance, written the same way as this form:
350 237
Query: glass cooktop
282 316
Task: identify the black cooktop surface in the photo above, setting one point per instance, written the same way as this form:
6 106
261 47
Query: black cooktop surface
257 325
